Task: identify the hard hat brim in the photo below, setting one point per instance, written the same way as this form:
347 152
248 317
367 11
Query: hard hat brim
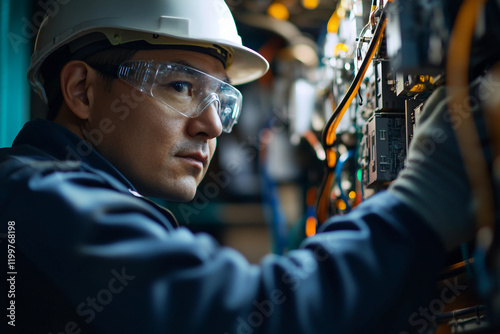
247 66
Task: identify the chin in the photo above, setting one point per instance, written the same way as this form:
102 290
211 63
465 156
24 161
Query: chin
173 194
179 198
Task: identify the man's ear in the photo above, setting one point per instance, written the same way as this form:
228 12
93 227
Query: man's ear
76 86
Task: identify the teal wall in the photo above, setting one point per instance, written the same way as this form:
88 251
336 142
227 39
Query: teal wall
16 36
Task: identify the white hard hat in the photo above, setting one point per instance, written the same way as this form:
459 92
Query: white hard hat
205 23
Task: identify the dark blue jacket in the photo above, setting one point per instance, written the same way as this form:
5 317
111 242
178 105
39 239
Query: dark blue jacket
93 256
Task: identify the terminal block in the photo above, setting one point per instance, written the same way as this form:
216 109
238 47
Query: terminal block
384 149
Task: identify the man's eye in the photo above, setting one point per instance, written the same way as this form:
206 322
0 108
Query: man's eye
183 87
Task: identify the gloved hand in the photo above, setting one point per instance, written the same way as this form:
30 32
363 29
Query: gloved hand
434 182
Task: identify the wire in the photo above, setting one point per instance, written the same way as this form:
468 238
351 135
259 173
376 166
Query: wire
477 310
323 198
329 136
469 142
361 40
457 69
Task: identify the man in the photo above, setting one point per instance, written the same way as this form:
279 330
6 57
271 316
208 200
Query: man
138 93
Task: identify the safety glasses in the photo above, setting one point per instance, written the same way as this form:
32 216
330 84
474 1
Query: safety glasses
186 90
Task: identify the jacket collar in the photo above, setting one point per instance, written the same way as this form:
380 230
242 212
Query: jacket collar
62 144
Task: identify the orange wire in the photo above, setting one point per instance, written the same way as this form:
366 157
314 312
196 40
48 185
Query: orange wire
323 203
322 208
457 70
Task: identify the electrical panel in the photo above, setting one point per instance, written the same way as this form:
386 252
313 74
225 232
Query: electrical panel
377 128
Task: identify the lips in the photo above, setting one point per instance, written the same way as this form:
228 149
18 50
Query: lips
197 159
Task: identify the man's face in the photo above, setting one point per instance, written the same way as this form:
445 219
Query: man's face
163 153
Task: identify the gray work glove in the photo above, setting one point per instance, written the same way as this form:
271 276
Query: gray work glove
434 182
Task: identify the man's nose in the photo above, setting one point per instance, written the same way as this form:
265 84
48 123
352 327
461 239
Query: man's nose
208 122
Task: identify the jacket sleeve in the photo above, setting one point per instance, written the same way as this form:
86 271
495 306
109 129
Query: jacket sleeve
109 257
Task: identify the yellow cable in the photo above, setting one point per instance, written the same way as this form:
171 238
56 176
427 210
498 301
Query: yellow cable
457 70
329 135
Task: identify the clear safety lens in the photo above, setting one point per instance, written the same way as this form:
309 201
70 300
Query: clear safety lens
184 89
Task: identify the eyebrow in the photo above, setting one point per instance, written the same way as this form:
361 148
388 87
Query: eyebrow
185 63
